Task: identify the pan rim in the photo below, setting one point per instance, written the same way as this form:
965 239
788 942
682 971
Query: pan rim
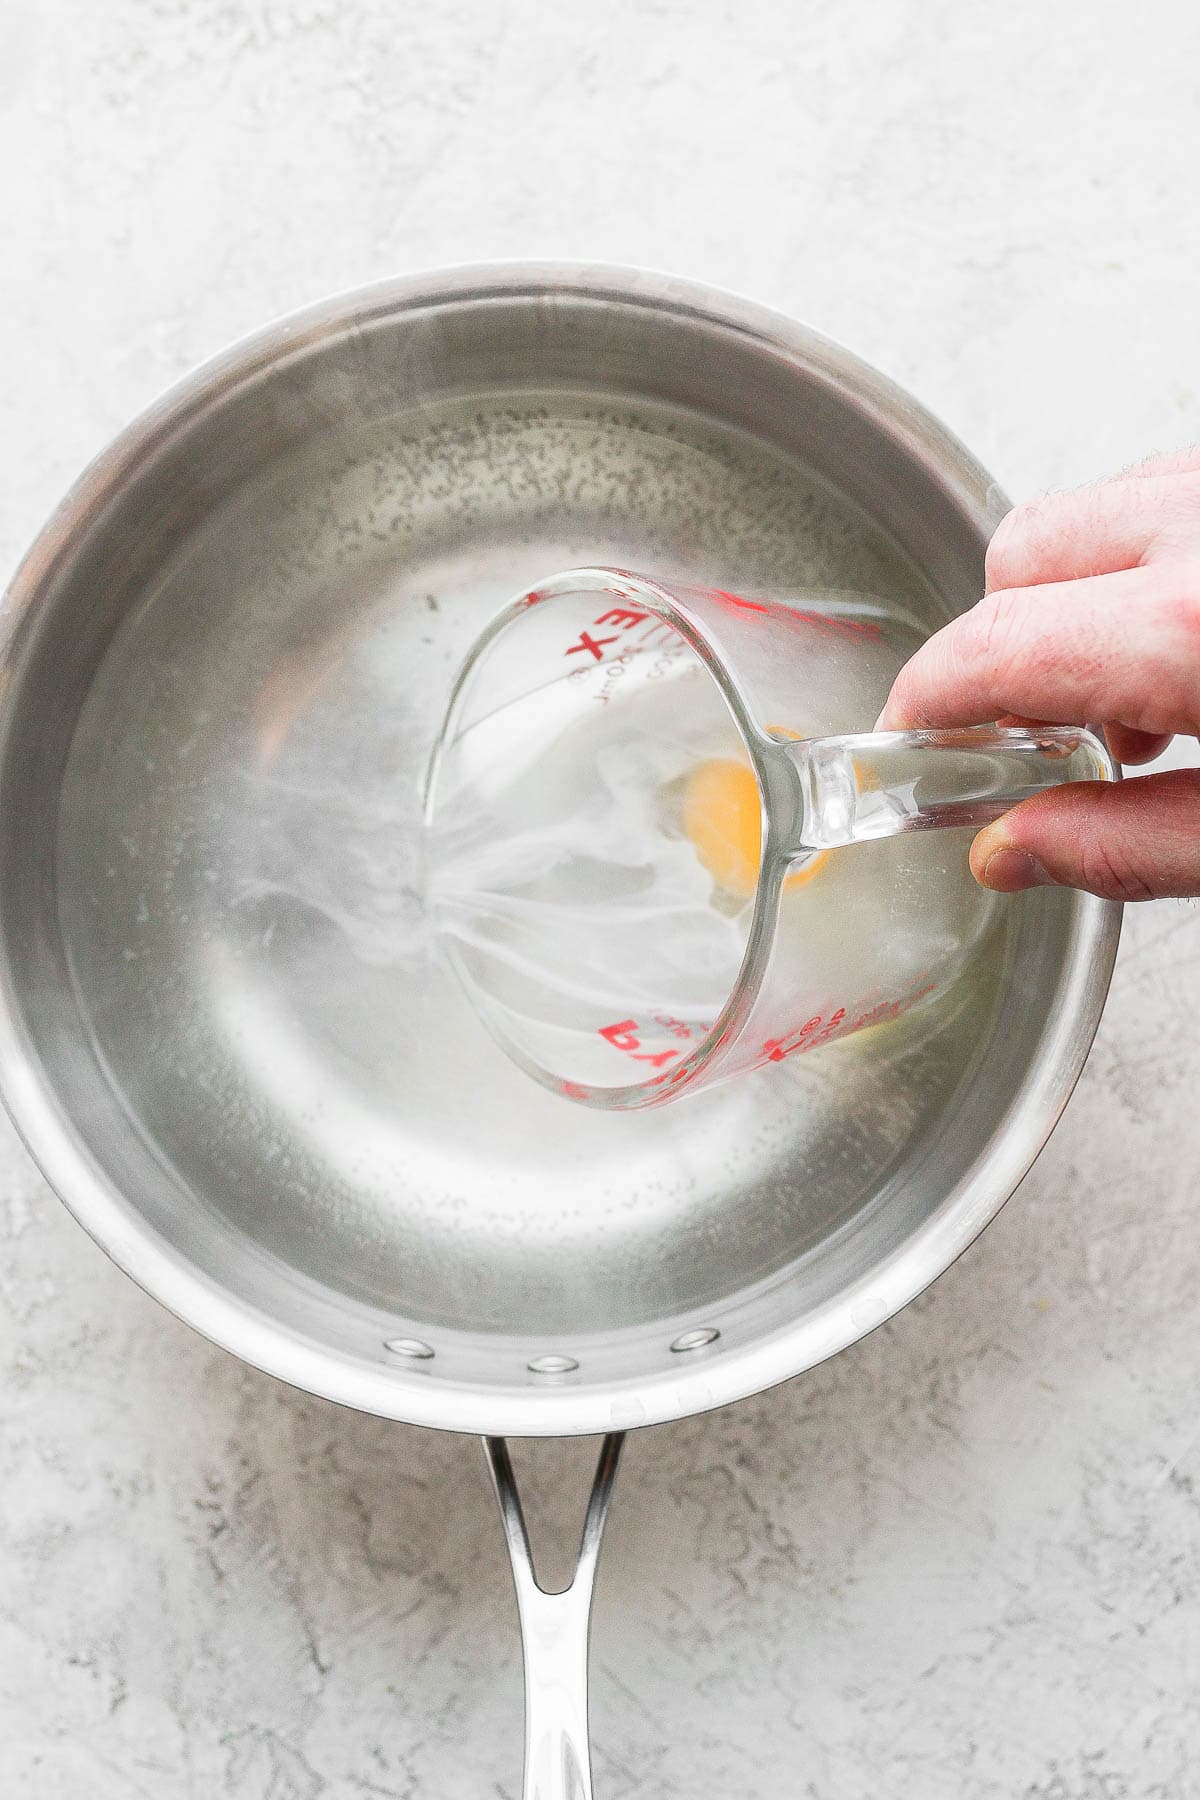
573 1406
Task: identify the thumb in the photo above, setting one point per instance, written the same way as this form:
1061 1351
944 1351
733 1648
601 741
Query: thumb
1129 840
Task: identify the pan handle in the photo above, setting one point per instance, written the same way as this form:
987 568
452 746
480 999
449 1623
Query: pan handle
554 1634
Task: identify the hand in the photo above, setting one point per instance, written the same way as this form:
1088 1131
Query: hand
1091 613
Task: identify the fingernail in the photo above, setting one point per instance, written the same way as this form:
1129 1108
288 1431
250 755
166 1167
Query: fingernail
1008 870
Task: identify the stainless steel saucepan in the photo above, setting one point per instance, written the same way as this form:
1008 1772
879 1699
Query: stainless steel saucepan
222 1032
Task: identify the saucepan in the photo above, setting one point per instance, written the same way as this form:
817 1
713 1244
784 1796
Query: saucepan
224 1035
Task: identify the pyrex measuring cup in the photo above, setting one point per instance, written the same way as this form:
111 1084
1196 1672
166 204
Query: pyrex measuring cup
657 855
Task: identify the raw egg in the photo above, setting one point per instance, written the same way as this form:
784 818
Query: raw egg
722 818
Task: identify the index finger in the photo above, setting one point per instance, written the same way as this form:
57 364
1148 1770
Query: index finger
1119 647
1092 530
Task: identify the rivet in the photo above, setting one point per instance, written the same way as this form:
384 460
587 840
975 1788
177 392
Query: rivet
696 1338
551 1365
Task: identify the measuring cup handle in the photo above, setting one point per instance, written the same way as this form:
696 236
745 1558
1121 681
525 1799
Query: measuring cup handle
554 1634
877 784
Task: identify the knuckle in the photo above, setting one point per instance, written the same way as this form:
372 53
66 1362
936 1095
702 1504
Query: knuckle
991 639
1172 647
1167 509
1183 604
1112 872
1185 529
1007 552
901 698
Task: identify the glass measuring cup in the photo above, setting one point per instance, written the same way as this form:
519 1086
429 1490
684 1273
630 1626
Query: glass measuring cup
658 857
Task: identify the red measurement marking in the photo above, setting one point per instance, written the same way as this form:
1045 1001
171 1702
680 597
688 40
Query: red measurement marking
739 601
532 597
814 1031
891 1009
822 1030
790 615
624 1036
839 627
676 1027
588 642
622 616
625 618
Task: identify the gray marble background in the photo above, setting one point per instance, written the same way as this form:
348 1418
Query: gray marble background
960 1563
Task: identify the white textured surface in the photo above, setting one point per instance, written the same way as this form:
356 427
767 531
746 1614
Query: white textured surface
961 1563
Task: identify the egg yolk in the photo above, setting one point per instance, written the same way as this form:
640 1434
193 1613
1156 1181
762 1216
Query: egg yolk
722 817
